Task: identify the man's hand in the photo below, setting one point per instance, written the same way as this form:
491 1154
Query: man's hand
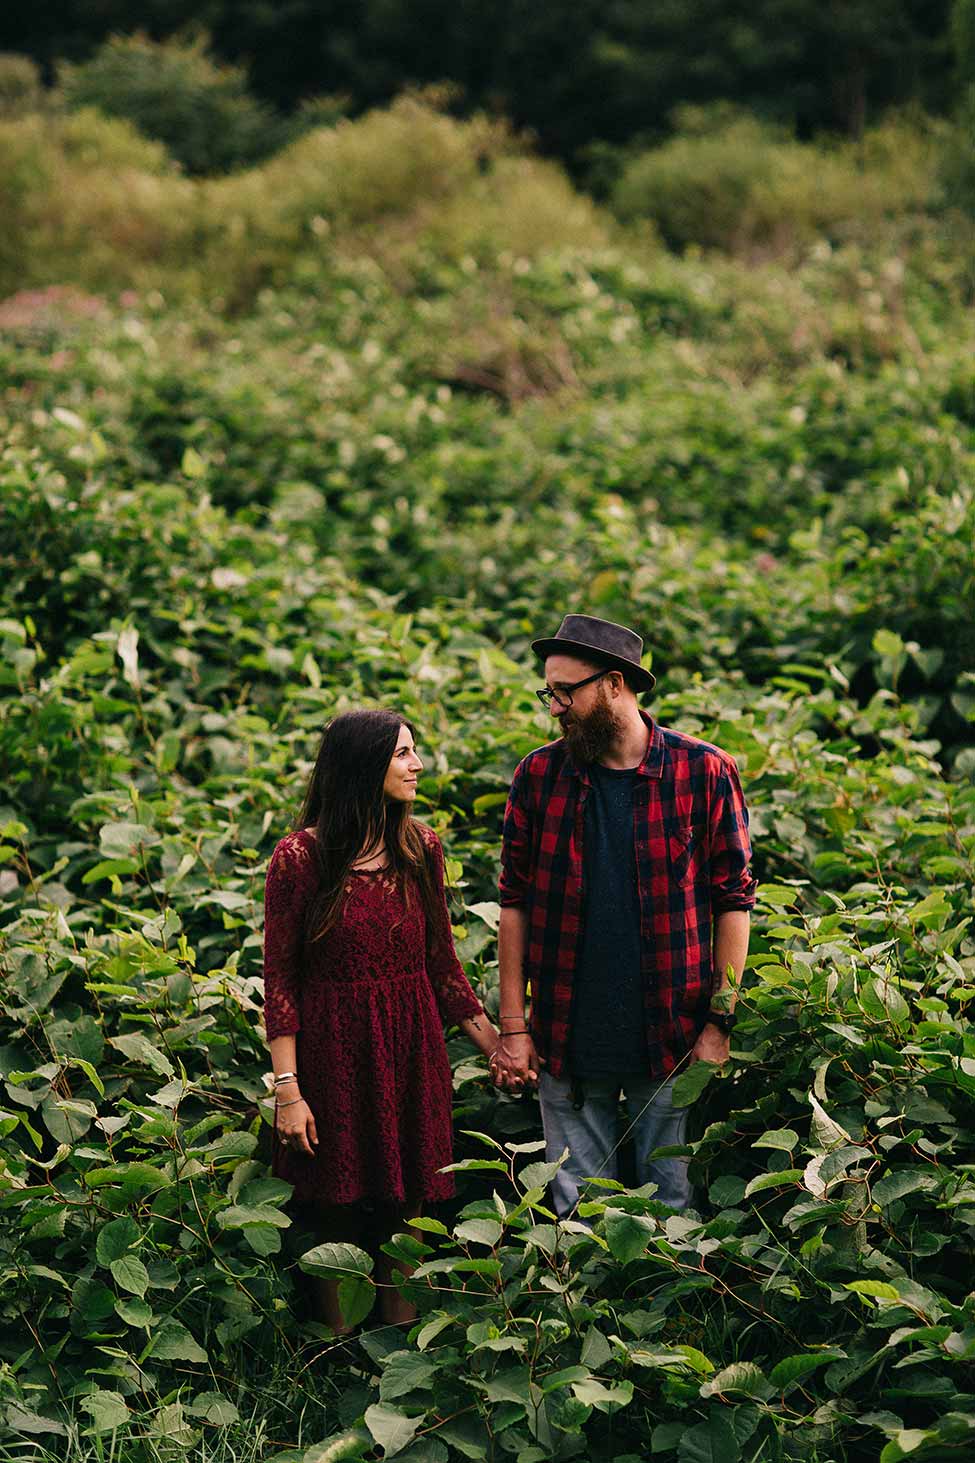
711 1046
515 1063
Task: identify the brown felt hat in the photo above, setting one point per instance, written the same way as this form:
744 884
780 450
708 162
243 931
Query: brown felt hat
614 646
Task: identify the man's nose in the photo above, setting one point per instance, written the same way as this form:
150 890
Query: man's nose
556 708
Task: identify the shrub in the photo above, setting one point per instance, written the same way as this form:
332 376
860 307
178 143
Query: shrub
87 189
94 202
520 206
958 160
734 183
174 92
20 85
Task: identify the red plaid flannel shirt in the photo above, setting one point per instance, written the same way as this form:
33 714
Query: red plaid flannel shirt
690 828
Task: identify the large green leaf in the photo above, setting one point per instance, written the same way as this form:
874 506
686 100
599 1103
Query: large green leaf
171 1341
510 1385
595 1393
114 1238
107 1410
776 1180
794 1369
140 1049
741 1376
354 1443
336 1260
391 1428
478 1231
713 1441
894 1186
783 1138
403 1372
212 1407
537 1175
357 1296
130 1274
689 1085
628 1235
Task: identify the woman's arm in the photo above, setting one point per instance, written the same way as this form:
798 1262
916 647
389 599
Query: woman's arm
285 896
482 1033
294 1121
456 1001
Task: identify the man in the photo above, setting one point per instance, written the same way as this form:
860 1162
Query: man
625 893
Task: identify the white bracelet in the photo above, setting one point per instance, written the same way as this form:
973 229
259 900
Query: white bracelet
283 1077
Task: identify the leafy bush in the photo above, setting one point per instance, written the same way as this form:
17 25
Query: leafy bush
20 85
375 485
732 183
97 204
174 92
958 163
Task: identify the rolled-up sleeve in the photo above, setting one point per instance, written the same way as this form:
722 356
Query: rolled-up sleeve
513 884
733 885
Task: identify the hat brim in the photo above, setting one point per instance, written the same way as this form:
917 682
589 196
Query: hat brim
645 679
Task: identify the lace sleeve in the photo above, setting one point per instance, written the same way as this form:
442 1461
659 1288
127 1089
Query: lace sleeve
455 999
286 893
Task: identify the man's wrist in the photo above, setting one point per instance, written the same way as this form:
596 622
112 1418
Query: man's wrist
725 1021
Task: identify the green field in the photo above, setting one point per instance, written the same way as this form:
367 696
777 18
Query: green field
352 427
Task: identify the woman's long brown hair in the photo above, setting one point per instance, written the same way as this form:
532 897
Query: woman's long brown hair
345 805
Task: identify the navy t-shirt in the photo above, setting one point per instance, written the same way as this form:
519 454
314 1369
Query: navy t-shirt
608 1037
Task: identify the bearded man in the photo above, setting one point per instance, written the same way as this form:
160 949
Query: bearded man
625 893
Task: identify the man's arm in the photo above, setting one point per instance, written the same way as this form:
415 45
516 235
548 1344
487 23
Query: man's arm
516 1056
732 897
515 1062
730 948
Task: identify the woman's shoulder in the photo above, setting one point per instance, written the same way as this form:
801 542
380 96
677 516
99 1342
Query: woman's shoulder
430 838
294 853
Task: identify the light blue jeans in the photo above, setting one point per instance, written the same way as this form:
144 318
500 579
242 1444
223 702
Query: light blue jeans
592 1134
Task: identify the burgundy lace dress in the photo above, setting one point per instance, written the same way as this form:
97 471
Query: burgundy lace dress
368 1003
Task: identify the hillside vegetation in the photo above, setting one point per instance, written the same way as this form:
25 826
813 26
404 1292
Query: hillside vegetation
354 426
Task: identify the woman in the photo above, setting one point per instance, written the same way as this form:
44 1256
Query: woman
360 975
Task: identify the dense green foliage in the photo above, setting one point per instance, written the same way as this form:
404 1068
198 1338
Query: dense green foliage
576 73
369 471
174 93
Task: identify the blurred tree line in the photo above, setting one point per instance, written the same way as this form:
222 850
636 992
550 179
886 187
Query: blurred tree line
577 72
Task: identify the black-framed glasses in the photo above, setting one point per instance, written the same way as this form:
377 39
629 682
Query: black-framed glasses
562 695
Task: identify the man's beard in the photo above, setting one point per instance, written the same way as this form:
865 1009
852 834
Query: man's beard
590 737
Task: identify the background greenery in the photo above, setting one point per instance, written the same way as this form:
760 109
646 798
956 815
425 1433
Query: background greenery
577 73
351 424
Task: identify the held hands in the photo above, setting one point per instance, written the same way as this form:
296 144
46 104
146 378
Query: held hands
294 1123
514 1063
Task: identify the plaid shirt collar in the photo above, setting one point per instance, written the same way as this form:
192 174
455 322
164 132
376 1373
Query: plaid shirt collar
653 758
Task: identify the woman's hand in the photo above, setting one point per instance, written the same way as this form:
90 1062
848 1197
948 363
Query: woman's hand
515 1063
294 1124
